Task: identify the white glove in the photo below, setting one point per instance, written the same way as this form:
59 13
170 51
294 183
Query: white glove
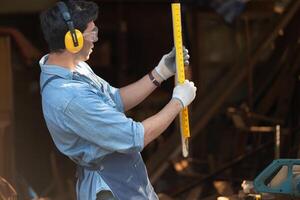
167 65
185 93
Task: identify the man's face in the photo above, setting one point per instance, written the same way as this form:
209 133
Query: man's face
90 36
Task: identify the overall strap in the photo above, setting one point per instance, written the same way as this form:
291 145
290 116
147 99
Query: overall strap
48 81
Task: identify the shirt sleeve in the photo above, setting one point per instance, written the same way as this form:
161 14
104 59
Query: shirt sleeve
101 124
117 98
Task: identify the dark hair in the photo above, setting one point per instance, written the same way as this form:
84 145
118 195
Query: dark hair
54 27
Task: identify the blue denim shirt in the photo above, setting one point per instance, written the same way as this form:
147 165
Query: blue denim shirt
85 118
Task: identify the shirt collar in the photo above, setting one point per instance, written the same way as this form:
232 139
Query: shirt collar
54 69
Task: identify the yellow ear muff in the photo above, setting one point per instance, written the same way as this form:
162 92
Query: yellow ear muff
70 44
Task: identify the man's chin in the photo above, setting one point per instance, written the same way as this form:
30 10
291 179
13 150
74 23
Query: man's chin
85 58
88 55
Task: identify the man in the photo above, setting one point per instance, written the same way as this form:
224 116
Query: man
85 115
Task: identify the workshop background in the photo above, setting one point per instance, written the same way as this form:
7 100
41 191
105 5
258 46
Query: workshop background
245 63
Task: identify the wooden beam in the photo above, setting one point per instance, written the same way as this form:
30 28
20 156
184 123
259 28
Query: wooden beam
29 52
6 111
6 88
28 6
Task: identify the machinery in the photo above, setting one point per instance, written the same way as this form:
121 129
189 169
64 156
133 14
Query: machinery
281 180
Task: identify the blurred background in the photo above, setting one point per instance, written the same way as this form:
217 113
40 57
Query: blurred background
245 63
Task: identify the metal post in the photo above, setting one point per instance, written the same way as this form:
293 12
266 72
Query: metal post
277 142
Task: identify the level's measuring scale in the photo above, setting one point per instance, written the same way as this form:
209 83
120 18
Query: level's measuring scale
184 114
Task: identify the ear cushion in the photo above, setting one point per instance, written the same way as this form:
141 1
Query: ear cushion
69 42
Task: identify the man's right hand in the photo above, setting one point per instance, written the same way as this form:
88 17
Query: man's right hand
185 93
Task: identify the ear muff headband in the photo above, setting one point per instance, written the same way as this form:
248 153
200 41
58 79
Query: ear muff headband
73 38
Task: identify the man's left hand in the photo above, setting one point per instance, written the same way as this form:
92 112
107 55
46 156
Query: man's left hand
167 65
